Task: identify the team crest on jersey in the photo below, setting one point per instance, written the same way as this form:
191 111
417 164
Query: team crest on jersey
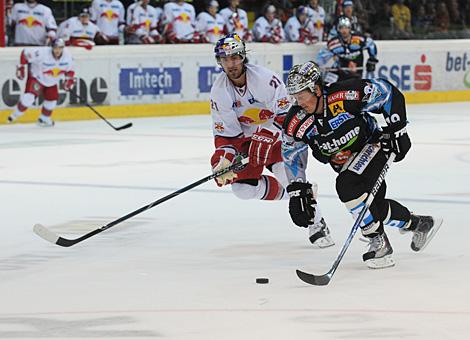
356 40
371 92
219 127
336 108
236 104
283 103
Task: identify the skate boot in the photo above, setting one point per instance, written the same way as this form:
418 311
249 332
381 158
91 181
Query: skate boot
379 254
45 121
319 234
424 228
14 116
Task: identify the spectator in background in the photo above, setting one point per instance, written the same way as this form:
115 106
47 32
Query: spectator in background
421 22
442 20
144 23
179 20
401 15
210 24
79 31
456 16
268 28
33 23
236 20
316 15
108 15
299 28
348 10
8 23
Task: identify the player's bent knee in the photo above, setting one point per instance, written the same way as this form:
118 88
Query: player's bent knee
348 186
244 191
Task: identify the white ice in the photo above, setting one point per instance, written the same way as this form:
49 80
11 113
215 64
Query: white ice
186 269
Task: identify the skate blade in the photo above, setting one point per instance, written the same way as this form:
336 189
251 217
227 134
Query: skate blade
380 263
324 242
437 225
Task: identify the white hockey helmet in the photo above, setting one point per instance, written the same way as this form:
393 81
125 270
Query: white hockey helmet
303 76
230 45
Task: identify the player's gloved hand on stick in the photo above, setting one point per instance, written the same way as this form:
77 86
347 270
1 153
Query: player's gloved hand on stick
69 83
262 146
397 142
301 203
220 160
20 71
370 65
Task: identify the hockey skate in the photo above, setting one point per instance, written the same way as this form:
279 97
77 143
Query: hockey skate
319 234
11 118
424 228
379 254
45 121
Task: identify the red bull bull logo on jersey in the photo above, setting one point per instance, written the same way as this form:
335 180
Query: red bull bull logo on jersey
30 22
255 116
109 15
54 72
184 17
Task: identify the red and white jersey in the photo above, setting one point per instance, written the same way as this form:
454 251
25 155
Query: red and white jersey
145 20
317 17
73 28
293 27
32 23
107 15
129 11
45 68
263 30
238 112
181 17
212 29
235 21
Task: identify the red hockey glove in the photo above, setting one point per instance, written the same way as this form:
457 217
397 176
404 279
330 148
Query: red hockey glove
222 159
69 81
262 147
20 71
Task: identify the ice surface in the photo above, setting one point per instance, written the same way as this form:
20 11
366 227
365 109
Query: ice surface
187 268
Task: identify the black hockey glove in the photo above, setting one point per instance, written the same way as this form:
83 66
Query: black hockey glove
397 142
370 65
301 204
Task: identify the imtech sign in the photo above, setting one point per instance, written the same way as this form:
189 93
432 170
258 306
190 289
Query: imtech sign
149 81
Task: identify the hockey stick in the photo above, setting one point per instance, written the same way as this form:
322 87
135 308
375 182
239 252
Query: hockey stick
125 126
52 237
323 280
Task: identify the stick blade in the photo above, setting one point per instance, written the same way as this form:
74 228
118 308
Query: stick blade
126 126
315 280
45 233
52 237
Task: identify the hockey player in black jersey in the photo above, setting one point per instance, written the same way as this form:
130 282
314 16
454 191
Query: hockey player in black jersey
347 50
337 123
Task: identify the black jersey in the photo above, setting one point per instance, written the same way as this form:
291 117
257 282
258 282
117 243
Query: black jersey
347 122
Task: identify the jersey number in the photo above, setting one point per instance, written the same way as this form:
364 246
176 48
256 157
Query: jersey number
275 82
214 105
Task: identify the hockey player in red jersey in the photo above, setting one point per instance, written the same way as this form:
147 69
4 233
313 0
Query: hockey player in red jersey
47 66
248 106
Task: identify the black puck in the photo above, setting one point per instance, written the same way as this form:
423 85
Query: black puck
262 280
